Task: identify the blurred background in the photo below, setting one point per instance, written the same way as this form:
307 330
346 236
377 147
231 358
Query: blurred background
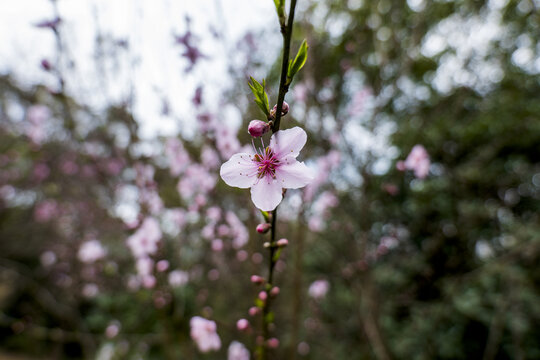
418 239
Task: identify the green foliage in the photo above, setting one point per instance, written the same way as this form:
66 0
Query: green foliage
280 10
261 99
298 62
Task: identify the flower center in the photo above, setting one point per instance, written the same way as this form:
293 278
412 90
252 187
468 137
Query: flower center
266 163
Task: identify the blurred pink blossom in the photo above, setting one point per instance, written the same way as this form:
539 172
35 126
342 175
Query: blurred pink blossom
37 115
46 210
90 290
144 266
69 167
226 141
112 330
213 213
315 224
242 324
238 230
325 165
318 289
151 199
91 251
418 161
41 172
145 240
177 156
149 281
179 217
207 232
178 278
391 189
196 180
300 92
359 100
217 245
242 255
237 351
114 166
47 258
162 265
272 343
209 158
223 230
203 332
145 175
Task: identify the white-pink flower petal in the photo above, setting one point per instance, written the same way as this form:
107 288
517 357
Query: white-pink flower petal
240 171
288 142
292 174
266 194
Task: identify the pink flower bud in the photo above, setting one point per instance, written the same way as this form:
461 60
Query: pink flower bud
284 110
242 324
274 292
263 228
46 65
282 242
272 343
257 128
400 165
162 265
263 295
256 279
253 311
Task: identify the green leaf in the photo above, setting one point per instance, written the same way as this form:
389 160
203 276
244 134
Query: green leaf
277 254
269 318
265 215
299 60
259 303
280 9
261 98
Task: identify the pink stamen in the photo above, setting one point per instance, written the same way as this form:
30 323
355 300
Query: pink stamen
267 163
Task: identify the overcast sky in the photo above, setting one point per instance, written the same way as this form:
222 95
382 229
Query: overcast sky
152 67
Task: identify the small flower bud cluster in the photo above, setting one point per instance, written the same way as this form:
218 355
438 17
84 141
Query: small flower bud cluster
284 110
258 128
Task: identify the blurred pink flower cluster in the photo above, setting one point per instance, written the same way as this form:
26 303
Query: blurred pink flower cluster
144 243
320 210
237 351
37 116
204 333
318 289
148 195
91 251
418 161
220 226
196 179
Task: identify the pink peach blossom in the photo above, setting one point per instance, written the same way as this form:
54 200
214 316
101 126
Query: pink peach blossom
271 170
203 332
237 351
144 241
178 278
418 161
318 289
91 251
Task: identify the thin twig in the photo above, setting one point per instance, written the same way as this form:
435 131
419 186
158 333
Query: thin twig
283 86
